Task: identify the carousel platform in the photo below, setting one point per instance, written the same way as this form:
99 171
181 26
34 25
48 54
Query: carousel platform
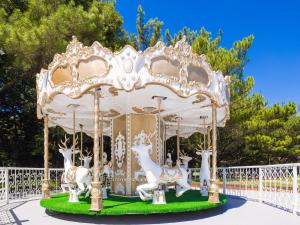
115 205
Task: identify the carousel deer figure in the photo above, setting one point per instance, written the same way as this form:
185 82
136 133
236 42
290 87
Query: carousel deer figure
185 160
205 169
74 175
107 166
86 159
169 161
157 175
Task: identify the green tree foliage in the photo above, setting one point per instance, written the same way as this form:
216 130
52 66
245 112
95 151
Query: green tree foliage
31 32
149 33
255 133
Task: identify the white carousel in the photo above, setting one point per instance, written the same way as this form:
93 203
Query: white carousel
139 99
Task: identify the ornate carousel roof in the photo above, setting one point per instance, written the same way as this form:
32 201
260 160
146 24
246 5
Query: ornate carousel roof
129 82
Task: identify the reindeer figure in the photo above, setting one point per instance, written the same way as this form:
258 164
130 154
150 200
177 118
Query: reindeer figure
78 175
86 159
169 161
185 160
107 166
205 169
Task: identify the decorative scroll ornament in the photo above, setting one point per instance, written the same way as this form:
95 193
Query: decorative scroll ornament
125 70
120 151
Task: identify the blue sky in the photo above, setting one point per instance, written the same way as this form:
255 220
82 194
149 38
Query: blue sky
275 53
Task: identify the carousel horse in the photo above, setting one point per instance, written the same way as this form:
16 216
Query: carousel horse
79 175
157 175
204 170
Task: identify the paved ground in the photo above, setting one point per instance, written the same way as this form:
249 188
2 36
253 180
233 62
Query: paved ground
235 212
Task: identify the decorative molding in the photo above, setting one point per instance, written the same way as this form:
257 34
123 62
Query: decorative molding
119 152
128 172
158 152
144 111
112 143
142 138
128 70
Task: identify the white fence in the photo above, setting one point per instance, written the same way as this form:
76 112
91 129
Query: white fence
18 183
278 185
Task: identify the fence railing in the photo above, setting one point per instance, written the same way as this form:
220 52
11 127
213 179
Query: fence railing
278 185
18 183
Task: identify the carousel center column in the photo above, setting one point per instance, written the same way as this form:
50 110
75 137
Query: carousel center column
214 189
96 199
45 186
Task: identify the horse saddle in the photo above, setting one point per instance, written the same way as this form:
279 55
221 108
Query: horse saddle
169 175
71 174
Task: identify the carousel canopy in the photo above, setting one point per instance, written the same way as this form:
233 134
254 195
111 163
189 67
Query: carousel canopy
132 82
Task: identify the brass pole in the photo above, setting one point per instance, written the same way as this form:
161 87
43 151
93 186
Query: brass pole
81 144
178 141
102 145
74 140
96 199
204 136
159 144
208 137
45 187
165 143
214 190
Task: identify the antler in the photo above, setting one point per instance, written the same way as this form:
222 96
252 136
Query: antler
76 141
76 149
201 147
151 135
64 143
182 153
88 153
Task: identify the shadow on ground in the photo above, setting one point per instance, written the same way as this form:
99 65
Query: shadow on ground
8 216
150 219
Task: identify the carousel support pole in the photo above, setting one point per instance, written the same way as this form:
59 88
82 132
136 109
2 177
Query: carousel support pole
160 161
81 144
178 141
102 142
164 144
214 189
96 199
74 138
45 186
159 100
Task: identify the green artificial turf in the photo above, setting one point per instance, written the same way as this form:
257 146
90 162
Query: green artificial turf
114 205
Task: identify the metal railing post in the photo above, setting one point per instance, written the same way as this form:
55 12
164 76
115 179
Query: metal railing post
295 197
6 186
224 181
260 184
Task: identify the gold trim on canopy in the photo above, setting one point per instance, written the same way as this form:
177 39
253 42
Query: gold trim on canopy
82 68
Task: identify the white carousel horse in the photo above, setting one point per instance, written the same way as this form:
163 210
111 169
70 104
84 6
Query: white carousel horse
157 175
79 175
204 171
